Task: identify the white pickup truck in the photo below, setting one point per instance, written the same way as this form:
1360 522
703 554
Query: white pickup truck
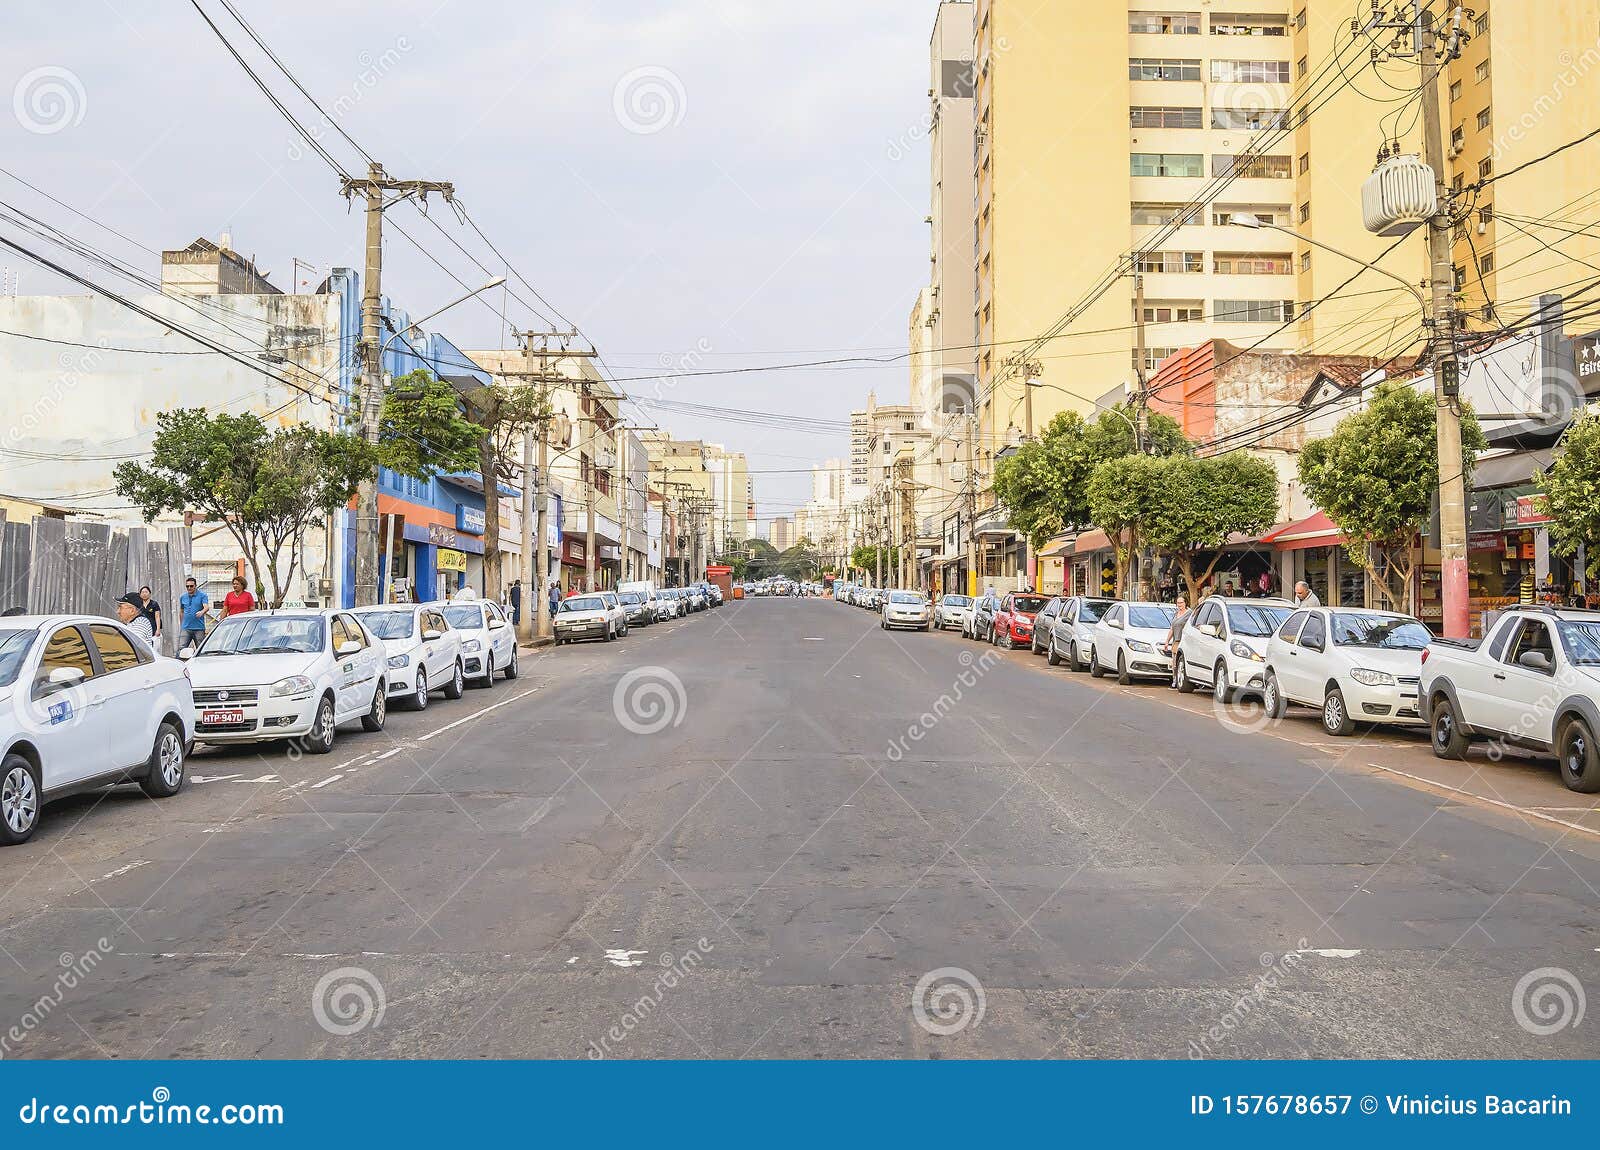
1533 681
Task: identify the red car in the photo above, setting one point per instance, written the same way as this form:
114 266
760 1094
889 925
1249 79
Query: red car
1013 623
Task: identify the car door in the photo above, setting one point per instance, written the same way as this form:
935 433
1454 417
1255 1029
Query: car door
438 654
501 639
1307 659
1197 646
1521 701
67 719
357 672
1107 636
125 679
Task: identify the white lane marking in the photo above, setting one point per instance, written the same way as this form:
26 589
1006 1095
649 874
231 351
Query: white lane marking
122 870
326 781
624 958
388 754
812 639
264 779
1525 812
477 714
213 778
1329 952
574 958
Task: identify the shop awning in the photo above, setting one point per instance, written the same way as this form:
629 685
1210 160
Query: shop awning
1312 531
1091 541
1511 469
1057 547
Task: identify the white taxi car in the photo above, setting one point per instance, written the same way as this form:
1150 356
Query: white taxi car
488 642
590 616
287 674
84 704
422 650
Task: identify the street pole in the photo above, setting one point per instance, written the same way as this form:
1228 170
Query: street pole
1141 430
624 505
373 187
972 504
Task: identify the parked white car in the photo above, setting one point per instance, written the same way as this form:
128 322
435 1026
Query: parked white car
287 674
488 641
1132 637
422 651
589 617
1353 664
906 609
1224 645
1072 632
84 703
952 611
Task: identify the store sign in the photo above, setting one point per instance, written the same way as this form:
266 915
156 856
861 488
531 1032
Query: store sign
470 520
441 536
1526 511
450 560
1586 354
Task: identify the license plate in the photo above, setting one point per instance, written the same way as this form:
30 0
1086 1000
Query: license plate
229 718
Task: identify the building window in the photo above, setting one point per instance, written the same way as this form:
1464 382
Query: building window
1455 91
1167 164
1253 25
1305 162
1146 117
1482 71
1171 262
1485 167
1305 212
1253 167
1458 136
1483 120
1486 215
1249 71
1252 310
1147 69
1305 261
1152 357
1222 214
1173 311
1460 277
1249 119
1253 263
1300 20
1481 25
1159 214
1486 263
1164 23
1301 68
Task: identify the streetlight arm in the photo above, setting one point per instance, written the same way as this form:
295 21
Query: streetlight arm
1399 279
491 285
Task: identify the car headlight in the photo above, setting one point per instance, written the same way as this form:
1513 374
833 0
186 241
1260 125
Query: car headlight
1372 678
293 685
1242 650
1141 645
470 645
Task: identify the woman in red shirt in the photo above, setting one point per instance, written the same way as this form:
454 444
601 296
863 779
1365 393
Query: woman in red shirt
238 601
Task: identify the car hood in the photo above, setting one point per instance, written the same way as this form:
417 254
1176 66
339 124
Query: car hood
247 670
400 646
1406 663
1155 635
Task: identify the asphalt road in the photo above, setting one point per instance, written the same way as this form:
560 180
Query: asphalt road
828 816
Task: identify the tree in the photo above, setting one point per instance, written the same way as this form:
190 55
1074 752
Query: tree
865 558
1122 493
421 430
266 486
1375 477
1199 502
1572 493
505 414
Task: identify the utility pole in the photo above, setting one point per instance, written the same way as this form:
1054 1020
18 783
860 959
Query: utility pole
972 504
1141 430
624 505
375 187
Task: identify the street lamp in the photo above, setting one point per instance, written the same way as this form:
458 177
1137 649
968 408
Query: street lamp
416 323
1246 220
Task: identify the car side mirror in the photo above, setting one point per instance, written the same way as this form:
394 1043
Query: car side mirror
1535 661
186 654
1314 644
1209 630
430 635
496 624
348 647
63 678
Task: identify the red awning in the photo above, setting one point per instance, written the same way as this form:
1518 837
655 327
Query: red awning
1312 531
1090 542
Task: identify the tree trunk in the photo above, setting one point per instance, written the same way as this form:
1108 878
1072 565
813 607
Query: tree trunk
493 559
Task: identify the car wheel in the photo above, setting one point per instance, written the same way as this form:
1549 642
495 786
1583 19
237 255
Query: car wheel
1335 714
1074 663
1580 758
1051 655
1449 741
419 698
19 800
1220 691
457 686
488 671
378 713
511 667
1094 664
1180 676
319 741
165 775
1272 700
1122 669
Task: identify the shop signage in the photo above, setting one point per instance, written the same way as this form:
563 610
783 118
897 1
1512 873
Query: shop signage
451 560
1586 353
1531 509
470 520
442 536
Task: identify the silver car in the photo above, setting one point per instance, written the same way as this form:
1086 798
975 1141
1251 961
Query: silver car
952 611
1072 633
906 609
592 616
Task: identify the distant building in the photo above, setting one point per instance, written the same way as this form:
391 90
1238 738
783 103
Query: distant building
783 534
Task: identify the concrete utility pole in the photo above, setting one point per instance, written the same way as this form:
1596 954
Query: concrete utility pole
972 504
375 187
1141 430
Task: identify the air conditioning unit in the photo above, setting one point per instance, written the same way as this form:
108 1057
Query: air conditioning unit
1400 195
1483 228
958 473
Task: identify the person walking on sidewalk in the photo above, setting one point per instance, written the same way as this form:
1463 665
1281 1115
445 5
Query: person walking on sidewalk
1304 596
130 609
193 605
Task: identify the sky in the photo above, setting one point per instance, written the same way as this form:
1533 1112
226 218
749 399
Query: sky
696 184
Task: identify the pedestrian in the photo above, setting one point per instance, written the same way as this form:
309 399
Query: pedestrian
1175 633
130 609
555 598
1304 596
516 603
193 606
238 601
150 609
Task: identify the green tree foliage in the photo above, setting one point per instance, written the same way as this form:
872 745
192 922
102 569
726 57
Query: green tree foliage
1572 490
1122 493
1375 478
1198 502
865 558
505 413
422 431
266 486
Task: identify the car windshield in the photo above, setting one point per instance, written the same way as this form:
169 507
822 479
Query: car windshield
13 650
1029 603
631 597
389 624
1091 609
1582 641
956 601
1254 620
464 616
583 603
905 597
1390 632
267 635
1150 615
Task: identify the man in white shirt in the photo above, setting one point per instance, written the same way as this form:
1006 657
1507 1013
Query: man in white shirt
1304 596
130 609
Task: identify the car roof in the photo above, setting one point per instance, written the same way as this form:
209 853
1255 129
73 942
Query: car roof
1242 601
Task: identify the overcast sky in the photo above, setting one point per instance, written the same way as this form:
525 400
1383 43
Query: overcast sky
695 183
